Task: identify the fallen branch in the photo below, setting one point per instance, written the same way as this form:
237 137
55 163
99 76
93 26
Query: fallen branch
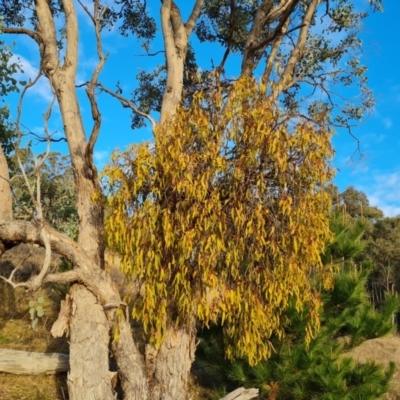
28 363
241 394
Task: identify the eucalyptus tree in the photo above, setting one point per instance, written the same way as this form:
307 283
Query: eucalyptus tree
219 132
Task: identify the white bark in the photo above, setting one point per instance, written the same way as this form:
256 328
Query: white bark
5 190
5 194
241 394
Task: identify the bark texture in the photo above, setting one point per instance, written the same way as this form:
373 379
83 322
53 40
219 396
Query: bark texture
5 194
170 365
241 394
24 362
5 190
130 364
89 332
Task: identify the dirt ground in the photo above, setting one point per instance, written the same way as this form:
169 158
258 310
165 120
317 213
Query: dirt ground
382 351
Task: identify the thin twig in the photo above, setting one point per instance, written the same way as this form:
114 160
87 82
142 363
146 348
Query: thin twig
128 104
17 125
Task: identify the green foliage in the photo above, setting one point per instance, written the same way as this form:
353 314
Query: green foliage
383 251
322 371
348 241
7 69
57 191
7 84
357 205
36 311
222 217
327 62
7 132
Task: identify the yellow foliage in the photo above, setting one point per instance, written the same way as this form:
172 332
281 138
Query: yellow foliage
224 217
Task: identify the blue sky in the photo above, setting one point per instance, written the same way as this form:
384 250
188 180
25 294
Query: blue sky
377 172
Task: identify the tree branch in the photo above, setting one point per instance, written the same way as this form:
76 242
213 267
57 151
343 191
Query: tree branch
23 31
273 53
175 43
46 29
230 39
9 280
193 17
287 76
278 11
90 89
265 15
168 34
128 104
85 270
28 232
6 212
71 55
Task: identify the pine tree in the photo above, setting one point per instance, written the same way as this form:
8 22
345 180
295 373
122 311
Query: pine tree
320 371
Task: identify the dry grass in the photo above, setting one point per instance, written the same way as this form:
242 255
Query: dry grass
16 332
42 387
382 351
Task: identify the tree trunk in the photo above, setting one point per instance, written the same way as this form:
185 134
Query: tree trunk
130 365
89 342
5 190
5 194
89 330
169 367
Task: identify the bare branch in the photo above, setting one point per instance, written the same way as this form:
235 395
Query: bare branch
90 90
193 17
274 51
23 31
28 232
128 104
39 163
37 281
17 125
41 139
150 54
230 39
88 12
10 279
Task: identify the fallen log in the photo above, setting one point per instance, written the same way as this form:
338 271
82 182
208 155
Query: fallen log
241 394
29 363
